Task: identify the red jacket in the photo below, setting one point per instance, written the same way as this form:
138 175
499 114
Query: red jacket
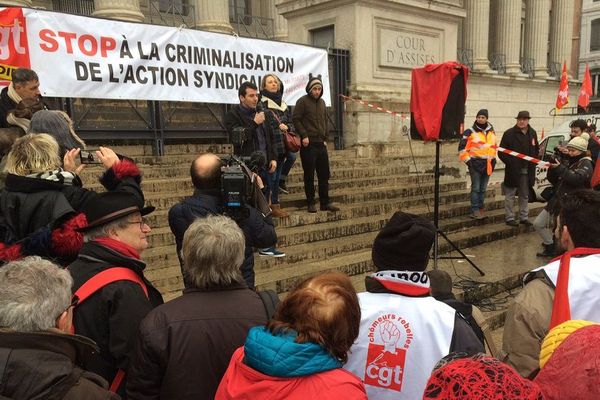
241 382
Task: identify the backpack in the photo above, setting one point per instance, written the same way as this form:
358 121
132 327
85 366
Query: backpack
96 283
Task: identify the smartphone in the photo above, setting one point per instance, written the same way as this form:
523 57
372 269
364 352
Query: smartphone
89 157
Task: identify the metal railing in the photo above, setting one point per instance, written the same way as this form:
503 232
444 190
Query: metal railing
253 26
554 70
498 63
465 57
528 66
177 14
78 7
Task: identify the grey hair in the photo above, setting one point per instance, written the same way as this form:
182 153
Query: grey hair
33 294
32 154
213 252
106 229
24 75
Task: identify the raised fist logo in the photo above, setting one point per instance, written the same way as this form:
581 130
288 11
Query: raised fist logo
390 335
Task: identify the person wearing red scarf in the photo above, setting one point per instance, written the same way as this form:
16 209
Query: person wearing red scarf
114 236
567 288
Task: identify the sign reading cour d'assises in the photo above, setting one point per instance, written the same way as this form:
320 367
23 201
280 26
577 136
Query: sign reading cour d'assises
78 56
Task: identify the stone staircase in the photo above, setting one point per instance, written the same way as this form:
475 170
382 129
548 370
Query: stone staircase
368 187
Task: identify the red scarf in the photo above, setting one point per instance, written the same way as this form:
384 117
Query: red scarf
118 246
561 309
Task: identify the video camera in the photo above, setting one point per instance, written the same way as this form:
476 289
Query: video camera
237 189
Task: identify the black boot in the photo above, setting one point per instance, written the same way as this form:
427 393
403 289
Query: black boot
549 251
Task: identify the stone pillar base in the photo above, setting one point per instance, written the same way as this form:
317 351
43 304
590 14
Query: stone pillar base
17 3
215 27
120 15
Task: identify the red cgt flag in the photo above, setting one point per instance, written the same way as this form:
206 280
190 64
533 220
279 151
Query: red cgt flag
563 91
586 90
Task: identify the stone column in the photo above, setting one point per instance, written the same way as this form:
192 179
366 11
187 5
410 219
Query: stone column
508 36
476 32
122 10
213 15
537 26
561 31
280 27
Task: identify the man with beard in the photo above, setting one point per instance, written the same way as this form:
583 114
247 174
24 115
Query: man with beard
550 297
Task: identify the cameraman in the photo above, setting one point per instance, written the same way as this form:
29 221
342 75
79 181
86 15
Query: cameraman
205 172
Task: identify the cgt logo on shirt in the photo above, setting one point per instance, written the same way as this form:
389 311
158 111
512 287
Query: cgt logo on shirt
386 355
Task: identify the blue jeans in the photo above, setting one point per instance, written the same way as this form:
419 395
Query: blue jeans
479 181
273 182
290 159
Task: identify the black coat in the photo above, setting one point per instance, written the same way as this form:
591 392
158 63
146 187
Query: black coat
111 316
30 208
524 143
185 345
6 104
258 230
235 118
46 366
566 179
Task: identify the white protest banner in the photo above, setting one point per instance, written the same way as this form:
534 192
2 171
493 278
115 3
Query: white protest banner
78 56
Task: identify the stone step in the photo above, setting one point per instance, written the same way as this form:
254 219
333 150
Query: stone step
354 260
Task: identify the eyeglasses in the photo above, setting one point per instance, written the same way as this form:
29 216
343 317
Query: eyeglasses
74 302
141 223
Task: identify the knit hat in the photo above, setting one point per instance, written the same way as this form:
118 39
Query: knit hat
579 142
313 81
58 125
404 243
573 370
479 377
483 112
557 335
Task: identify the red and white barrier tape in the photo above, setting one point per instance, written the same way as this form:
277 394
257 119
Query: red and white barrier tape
364 103
501 149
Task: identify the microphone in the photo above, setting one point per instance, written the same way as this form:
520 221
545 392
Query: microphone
259 105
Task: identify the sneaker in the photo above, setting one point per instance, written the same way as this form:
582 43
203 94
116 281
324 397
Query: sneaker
330 207
283 188
525 222
270 252
312 208
473 215
512 222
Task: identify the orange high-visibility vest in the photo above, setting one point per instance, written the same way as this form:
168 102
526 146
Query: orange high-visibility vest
479 146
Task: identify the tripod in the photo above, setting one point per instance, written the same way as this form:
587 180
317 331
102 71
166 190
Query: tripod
436 220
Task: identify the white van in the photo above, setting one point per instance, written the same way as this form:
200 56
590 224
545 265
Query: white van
557 136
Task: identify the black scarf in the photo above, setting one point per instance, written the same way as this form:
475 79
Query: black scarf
276 97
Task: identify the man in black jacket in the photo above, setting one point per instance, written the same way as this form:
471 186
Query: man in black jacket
519 174
115 236
25 85
258 230
247 129
184 346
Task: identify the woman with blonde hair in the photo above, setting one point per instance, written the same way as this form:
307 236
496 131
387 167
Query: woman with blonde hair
279 115
300 353
40 206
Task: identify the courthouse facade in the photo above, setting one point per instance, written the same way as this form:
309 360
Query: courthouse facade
515 48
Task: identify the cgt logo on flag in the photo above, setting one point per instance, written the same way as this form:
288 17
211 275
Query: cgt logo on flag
389 340
14 50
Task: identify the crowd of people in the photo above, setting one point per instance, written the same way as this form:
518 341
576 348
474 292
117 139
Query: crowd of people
80 320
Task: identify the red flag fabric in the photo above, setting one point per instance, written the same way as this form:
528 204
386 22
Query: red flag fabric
563 91
586 89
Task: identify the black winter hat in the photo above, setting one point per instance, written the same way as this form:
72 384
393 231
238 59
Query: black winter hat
312 81
483 112
109 206
404 243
